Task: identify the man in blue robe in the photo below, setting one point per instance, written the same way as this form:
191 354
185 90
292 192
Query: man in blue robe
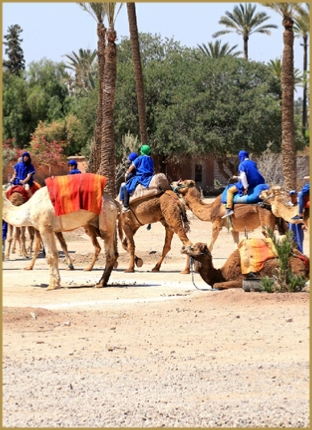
73 167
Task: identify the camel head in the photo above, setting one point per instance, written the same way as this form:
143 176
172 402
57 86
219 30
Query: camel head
196 250
181 186
271 193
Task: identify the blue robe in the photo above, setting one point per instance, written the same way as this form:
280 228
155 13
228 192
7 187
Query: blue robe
22 170
144 166
254 177
74 172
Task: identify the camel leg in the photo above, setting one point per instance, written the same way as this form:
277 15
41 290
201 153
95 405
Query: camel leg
31 232
91 232
111 253
63 244
9 242
216 228
228 284
36 250
48 239
235 235
129 245
23 242
15 238
166 248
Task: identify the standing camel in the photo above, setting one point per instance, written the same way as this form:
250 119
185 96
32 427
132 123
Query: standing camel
246 216
165 208
39 213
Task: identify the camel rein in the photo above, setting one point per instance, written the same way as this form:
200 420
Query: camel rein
192 271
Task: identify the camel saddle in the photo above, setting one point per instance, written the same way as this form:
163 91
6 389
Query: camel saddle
254 253
17 189
251 197
158 184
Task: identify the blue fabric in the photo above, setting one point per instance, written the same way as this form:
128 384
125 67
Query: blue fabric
251 197
74 172
305 191
254 177
4 230
242 155
144 166
22 170
297 235
121 192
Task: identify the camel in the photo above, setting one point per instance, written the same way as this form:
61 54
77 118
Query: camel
278 201
165 208
230 275
247 217
39 212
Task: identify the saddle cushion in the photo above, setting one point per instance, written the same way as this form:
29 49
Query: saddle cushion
71 193
158 183
17 189
251 197
254 253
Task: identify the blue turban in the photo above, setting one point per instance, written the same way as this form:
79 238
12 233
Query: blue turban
242 155
132 156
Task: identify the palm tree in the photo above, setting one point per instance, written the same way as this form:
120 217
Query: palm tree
97 11
108 158
216 50
83 66
286 10
276 68
135 45
245 22
301 29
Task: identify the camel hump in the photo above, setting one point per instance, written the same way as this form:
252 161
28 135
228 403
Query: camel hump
158 184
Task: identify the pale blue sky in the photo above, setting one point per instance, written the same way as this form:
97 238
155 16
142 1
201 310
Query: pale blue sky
52 30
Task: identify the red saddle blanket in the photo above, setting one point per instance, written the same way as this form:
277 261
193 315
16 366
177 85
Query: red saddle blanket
254 253
74 192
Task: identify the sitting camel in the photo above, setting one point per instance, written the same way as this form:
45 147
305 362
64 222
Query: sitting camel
165 208
278 199
247 217
39 213
230 274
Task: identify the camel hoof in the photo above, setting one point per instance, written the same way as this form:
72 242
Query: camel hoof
50 287
139 262
27 268
87 269
129 271
155 269
70 267
99 285
185 272
115 265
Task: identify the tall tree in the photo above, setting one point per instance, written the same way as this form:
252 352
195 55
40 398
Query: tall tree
302 29
216 50
135 45
286 10
108 157
245 22
16 62
97 11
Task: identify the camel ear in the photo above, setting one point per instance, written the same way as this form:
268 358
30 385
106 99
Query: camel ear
203 247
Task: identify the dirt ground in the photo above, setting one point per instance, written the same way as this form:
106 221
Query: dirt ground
151 349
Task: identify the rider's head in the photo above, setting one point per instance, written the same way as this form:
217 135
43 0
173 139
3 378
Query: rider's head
132 156
242 155
72 164
145 150
26 158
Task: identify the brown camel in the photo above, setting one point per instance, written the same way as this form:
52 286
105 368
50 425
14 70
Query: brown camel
230 275
278 199
39 213
247 217
165 208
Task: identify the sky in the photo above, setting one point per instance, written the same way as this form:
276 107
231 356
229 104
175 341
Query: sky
52 30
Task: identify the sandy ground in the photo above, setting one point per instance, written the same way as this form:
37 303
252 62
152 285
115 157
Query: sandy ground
151 349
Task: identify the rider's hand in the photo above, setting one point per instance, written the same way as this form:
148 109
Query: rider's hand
245 191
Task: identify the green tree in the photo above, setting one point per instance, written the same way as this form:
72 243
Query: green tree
302 29
245 22
135 45
16 62
287 10
84 67
216 50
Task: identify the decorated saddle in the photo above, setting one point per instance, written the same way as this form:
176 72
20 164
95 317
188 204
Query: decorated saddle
17 189
158 183
254 253
252 195
71 193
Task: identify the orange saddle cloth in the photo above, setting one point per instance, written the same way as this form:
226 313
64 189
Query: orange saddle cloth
71 193
254 253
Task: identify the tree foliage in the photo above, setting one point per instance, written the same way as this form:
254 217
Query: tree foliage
16 62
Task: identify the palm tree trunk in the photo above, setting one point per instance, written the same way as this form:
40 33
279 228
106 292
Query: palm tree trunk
305 90
108 159
95 154
246 47
288 129
135 45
